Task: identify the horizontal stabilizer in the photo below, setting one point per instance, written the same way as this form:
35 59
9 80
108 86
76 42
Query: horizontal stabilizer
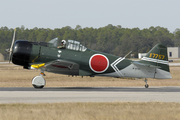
143 64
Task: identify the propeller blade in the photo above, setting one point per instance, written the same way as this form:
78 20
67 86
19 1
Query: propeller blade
10 50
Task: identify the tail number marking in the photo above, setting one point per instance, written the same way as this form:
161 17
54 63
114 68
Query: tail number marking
153 55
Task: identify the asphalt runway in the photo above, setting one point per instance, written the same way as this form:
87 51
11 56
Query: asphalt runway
89 94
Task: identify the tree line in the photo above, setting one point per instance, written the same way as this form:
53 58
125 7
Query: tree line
109 39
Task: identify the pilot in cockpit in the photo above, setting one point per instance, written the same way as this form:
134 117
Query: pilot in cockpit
63 44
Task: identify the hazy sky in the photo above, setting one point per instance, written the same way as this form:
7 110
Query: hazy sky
90 13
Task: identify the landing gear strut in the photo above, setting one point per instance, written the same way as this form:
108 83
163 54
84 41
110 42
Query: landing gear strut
146 85
39 81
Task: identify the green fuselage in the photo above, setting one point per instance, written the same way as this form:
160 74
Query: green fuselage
42 54
76 59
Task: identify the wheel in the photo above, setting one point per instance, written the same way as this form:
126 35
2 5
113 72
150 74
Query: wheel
38 82
38 87
146 86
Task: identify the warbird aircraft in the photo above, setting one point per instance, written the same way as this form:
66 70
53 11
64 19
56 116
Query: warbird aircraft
76 59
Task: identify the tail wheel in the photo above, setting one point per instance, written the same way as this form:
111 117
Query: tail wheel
146 86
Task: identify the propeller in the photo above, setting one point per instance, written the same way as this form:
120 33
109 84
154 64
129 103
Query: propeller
11 48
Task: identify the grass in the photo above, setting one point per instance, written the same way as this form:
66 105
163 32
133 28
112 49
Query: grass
16 76
91 111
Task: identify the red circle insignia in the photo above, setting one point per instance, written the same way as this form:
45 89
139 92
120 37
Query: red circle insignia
98 63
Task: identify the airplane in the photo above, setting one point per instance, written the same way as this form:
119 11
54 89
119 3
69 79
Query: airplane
77 60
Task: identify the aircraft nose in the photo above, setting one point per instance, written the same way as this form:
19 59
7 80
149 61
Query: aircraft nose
21 52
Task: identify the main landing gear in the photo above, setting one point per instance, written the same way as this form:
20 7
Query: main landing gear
146 85
39 81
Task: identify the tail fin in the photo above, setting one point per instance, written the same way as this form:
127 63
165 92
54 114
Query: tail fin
158 58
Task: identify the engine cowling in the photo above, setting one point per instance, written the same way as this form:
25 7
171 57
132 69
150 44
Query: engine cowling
21 53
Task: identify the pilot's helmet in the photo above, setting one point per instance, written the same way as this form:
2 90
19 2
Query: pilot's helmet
63 42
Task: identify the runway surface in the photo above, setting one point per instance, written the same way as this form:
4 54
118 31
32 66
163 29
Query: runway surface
89 94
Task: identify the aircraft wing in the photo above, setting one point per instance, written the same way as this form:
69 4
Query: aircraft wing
62 67
143 64
58 66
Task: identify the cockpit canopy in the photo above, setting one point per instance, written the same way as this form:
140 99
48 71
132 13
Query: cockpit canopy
70 44
75 45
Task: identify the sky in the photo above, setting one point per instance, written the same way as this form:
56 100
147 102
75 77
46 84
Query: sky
90 13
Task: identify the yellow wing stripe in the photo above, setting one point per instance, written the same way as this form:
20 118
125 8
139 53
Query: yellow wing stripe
37 66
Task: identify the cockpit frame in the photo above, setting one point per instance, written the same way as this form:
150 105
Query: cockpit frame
75 45
70 44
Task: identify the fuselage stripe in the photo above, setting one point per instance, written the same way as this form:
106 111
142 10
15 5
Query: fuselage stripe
113 65
155 60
